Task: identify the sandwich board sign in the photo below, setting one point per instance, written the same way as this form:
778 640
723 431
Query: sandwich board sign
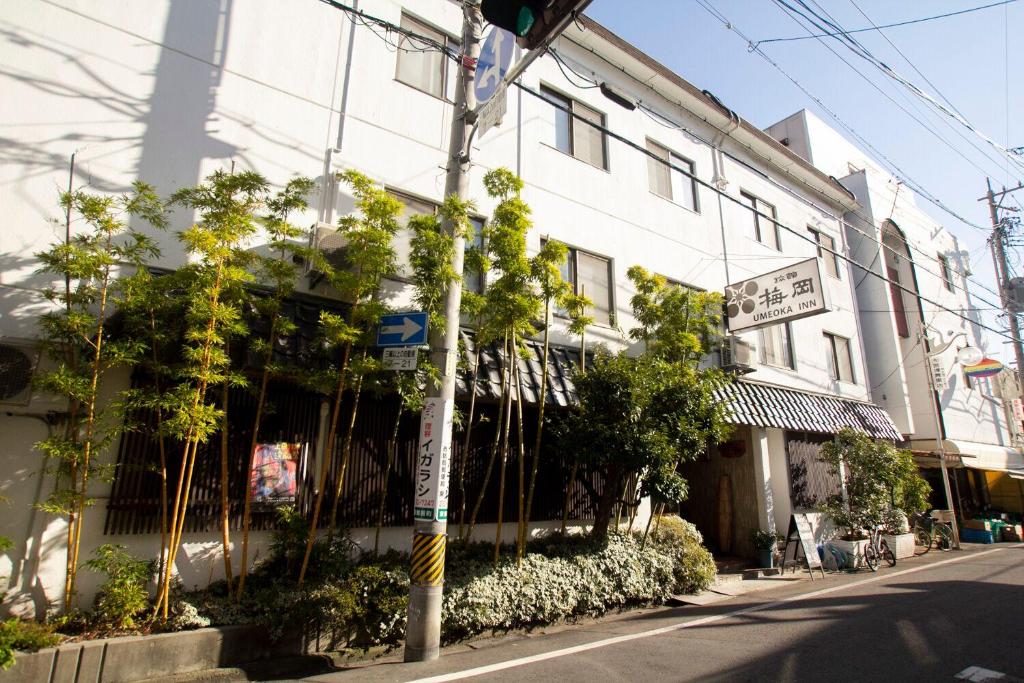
782 295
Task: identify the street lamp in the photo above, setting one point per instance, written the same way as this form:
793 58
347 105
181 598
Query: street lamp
965 355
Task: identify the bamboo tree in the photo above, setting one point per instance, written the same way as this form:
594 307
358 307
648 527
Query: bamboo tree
545 269
369 256
279 269
226 204
496 441
576 307
77 338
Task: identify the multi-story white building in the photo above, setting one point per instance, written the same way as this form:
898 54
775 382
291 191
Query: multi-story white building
168 92
918 304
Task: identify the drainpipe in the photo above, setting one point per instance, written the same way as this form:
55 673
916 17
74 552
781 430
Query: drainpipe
719 180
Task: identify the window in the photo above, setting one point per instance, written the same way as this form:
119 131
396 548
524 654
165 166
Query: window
473 280
665 181
899 311
764 230
576 136
840 358
421 67
591 276
826 251
947 272
413 206
777 346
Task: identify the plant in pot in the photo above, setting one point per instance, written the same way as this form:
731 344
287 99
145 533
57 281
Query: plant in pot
765 542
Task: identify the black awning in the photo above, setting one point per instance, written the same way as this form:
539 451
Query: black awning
763 405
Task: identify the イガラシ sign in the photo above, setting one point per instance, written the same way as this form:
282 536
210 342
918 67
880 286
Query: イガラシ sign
433 461
782 295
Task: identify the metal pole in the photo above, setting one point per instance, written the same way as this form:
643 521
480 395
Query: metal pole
1002 277
433 456
940 446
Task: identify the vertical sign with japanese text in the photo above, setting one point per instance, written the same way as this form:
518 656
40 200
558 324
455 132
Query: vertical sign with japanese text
789 293
433 461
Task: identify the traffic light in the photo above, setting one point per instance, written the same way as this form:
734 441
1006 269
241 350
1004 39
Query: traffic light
533 22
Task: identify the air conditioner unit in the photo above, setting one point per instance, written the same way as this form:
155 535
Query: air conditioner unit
736 354
325 238
17 365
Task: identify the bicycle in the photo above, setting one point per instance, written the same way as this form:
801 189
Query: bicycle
929 530
877 550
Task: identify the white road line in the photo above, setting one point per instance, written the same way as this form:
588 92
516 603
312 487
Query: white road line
554 654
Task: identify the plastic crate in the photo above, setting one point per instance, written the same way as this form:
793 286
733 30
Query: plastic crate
975 536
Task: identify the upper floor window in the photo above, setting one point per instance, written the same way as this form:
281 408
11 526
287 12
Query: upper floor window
760 221
591 276
839 357
666 181
826 251
421 66
414 206
947 272
581 137
777 346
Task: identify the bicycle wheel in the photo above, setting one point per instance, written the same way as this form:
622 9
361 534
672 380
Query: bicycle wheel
922 540
871 557
887 554
943 538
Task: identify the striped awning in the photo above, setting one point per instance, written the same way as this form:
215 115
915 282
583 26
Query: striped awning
763 405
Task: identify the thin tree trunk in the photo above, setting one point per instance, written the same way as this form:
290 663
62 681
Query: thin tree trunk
161 445
612 492
256 423
392 448
346 449
332 435
541 402
521 522
494 452
505 428
467 441
575 461
647 529
225 504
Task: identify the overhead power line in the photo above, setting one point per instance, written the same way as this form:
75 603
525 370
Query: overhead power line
875 28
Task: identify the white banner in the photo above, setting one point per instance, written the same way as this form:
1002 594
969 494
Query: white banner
786 294
433 461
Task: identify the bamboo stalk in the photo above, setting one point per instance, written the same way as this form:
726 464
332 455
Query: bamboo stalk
467 441
346 449
225 509
494 450
541 402
392 448
504 457
521 528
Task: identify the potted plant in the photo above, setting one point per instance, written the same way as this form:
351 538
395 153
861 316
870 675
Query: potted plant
908 493
766 543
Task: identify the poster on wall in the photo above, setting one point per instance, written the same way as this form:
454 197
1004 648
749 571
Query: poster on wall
786 294
274 466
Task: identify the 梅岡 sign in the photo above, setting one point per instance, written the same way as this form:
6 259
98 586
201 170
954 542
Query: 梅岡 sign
780 296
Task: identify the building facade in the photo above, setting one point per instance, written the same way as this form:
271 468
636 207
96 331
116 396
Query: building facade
168 92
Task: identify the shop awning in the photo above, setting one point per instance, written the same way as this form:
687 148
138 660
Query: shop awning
764 405
976 455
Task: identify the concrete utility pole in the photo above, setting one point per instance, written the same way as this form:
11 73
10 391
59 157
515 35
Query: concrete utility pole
433 457
998 243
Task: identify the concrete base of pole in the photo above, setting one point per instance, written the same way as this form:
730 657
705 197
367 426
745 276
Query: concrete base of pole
424 644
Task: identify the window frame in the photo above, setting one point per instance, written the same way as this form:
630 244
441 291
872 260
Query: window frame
573 264
754 203
833 350
947 272
446 64
762 354
673 159
550 95
405 197
831 256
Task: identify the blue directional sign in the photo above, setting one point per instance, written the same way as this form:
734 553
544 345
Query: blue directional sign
491 67
403 329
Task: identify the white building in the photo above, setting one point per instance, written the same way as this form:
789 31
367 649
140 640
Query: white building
902 328
168 92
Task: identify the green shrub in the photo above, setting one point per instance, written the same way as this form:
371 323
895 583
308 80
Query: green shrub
123 595
693 567
16 634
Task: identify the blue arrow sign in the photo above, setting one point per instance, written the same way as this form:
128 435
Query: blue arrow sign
403 329
491 67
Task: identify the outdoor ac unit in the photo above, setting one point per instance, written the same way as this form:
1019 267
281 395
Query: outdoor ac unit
325 238
736 354
17 364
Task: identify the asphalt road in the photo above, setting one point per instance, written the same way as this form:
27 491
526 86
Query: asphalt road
927 619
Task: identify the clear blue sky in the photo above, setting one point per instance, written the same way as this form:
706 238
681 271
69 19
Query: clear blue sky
974 59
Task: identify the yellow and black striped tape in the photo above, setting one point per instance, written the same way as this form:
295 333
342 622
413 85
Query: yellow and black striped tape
427 559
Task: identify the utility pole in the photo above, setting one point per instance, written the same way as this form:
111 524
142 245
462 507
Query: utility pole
433 455
998 243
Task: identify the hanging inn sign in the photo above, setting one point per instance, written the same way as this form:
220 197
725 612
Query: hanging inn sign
783 295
